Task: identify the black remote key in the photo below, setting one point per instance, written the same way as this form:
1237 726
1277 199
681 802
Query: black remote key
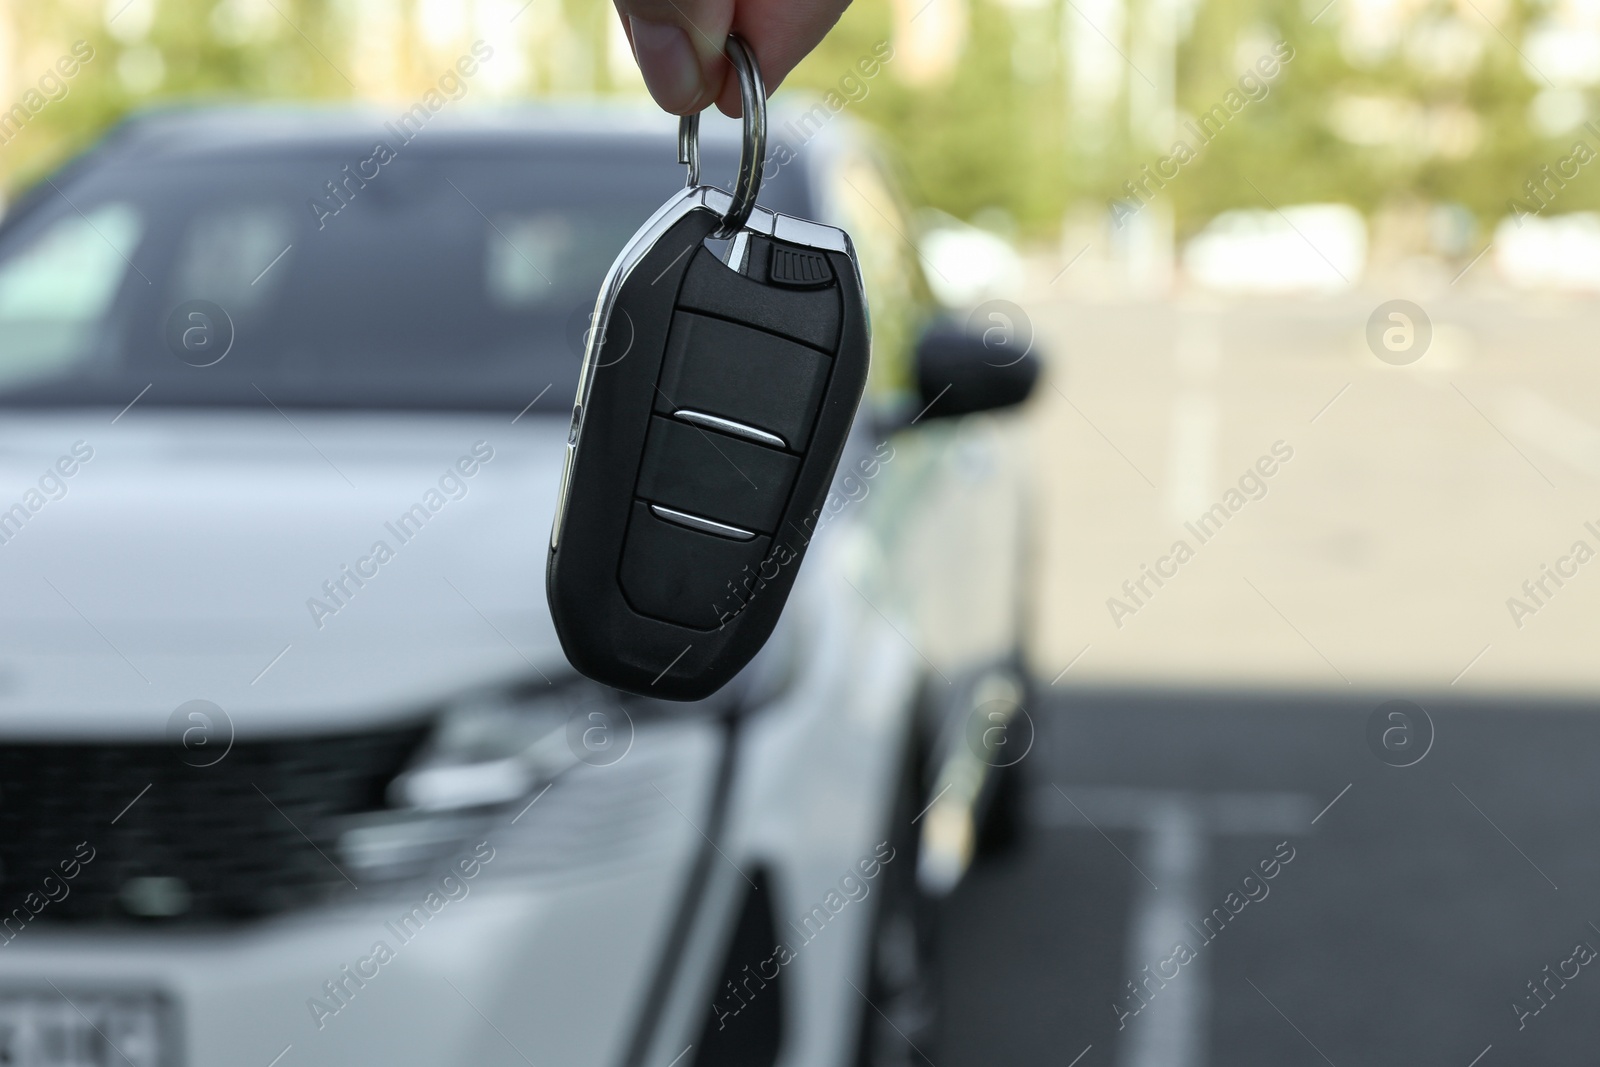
713 406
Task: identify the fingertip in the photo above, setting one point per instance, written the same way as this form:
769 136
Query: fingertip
729 101
670 66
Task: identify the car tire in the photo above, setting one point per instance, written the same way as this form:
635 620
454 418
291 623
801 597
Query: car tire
1002 817
1000 832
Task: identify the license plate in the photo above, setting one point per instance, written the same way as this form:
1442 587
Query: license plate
74 1028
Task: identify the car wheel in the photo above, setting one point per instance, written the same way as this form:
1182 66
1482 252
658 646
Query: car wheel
1000 832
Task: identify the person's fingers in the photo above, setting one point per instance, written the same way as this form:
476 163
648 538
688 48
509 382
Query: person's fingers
780 33
679 46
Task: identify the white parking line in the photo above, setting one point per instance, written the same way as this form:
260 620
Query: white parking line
1171 1032
1136 808
1177 826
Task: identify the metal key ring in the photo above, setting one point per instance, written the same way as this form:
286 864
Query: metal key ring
753 151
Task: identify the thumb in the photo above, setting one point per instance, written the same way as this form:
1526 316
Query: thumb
679 47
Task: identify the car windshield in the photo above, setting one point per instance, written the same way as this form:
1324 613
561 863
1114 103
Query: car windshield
458 280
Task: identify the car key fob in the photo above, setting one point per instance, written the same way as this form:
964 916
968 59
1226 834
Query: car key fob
713 406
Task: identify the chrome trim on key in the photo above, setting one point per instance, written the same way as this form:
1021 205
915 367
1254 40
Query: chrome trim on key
695 522
816 235
728 426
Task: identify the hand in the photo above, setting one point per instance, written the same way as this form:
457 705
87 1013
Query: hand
679 44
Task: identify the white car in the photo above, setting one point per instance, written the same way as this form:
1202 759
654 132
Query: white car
292 769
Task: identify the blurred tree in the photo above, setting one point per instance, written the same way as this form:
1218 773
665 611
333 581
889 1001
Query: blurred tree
990 135
1438 113
1435 112
148 53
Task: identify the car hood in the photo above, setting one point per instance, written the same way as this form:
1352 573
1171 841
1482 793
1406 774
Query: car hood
186 560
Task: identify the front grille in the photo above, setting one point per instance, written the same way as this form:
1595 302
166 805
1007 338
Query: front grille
251 836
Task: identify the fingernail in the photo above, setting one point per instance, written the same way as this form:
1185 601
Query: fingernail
667 60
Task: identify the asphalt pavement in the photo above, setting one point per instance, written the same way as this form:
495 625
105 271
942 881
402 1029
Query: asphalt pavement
1322 795
1418 904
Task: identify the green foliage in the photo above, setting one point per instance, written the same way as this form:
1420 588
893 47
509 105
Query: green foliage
1286 144
988 136
998 134
999 131
289 58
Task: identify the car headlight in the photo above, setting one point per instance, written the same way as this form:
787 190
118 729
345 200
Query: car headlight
484 754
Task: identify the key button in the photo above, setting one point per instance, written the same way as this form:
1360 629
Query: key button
747 376
709 474
673 572
799 268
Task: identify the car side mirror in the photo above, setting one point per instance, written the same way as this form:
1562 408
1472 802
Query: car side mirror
959 372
